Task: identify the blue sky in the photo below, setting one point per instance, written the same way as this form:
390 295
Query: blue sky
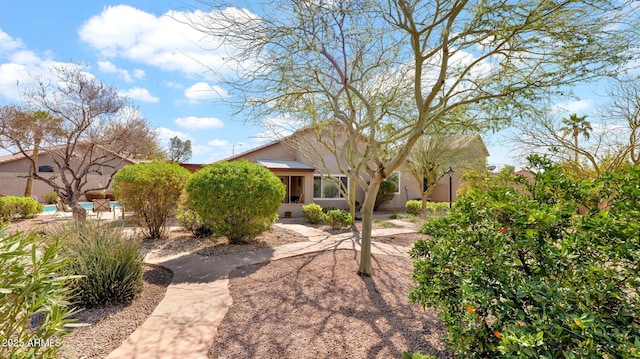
151 58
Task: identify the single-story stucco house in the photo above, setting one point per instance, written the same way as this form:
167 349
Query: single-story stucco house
14 170
304 165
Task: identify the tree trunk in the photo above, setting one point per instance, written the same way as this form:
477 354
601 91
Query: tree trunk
79 213
423 208
28 191
367 221
352 201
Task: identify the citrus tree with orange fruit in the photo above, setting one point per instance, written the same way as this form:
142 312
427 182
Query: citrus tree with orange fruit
541 268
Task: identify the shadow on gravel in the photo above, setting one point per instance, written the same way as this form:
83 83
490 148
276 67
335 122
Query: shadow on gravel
316 306
194 268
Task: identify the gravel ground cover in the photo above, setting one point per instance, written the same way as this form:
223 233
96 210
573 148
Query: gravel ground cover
314 306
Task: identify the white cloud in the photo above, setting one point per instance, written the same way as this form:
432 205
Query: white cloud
218 143
577 107
200 149
9 44
165 134
277 128
21 67
202 91
174 85
140 94
109 67
199 122
165 41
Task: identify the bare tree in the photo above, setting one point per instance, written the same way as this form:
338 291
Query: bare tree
391 70
90 121
624 111
612 140
179 151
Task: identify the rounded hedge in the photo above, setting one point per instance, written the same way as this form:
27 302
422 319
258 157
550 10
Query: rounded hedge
12 207
338 218
313 213
414 207
236 199
152 190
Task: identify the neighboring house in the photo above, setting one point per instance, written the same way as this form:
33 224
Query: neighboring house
14 170
303 165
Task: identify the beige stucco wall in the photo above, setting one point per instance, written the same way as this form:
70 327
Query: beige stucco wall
306 150
13 177
12 184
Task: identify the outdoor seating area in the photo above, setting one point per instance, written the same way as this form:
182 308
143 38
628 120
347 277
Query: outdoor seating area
102 206
61 208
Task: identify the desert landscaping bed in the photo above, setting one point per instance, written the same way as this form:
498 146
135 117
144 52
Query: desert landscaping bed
315 306
108 327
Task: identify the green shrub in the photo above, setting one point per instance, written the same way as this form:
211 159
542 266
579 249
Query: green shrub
236 199
384 224
189 220
338 218
385 193
521 274
314 213
406 355
325 210
414 207
50 197
436 208
29 207
18 207
152 191
109 262
31 287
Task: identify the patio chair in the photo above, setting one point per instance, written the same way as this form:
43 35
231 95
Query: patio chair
102 205
61 208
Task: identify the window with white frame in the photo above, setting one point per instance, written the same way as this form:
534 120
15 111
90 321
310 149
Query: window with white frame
326 187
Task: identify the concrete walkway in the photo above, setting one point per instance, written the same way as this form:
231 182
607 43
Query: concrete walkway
185 322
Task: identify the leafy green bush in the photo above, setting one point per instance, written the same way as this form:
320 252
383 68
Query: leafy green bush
385 193
18 207
30 288
338 218
189 220
313 213
151 190
406 355
518 273
109 262
29 207
325 210
437 208
236 199
50 197
414 207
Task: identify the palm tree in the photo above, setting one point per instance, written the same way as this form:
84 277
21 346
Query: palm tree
576 126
